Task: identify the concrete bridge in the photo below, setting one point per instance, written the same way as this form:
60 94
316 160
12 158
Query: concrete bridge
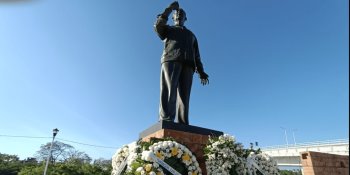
289 155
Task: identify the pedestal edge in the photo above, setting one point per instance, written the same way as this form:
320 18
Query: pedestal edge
179 127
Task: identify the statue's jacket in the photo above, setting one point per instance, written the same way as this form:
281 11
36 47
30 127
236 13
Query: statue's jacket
180 44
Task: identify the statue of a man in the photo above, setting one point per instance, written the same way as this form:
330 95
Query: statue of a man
179 61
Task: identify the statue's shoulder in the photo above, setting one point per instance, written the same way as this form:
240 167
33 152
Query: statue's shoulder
172 27
189 31
193 35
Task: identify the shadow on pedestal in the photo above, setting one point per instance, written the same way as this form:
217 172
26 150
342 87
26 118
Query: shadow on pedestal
179 127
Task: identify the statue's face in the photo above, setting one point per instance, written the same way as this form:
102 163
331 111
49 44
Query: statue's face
179 17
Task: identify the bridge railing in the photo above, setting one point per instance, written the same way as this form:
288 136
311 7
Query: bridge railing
308 144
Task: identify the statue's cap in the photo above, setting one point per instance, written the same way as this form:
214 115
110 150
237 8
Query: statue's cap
181 12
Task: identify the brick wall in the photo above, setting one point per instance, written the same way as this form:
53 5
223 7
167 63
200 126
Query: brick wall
194 142
316 163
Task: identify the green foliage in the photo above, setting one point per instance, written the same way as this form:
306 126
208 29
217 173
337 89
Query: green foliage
137 163
32 170
103 164
66 169
9 164
153 140
74 163
176 164
290 172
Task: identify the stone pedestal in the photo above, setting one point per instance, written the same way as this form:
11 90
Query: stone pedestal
316 163
194 138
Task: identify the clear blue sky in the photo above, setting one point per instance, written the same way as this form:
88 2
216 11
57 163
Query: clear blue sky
91 69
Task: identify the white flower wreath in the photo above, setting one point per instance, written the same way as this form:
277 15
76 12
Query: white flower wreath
223 156
126 153
141 163
168 149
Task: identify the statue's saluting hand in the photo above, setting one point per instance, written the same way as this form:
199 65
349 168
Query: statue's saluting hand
174 6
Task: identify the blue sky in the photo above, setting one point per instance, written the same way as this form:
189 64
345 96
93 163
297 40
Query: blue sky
91 69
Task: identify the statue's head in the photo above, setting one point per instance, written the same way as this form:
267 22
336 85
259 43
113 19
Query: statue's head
179 17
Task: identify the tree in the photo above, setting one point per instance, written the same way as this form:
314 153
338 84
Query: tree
104 164
61 152
78 157
9 164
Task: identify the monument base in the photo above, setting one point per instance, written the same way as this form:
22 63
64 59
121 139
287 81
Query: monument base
317 163
195 138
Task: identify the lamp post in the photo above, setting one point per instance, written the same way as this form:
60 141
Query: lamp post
285 134
295 143
54 133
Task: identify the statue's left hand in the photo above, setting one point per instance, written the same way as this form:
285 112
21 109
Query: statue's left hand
204 78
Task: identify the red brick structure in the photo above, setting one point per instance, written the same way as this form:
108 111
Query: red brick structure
316 163
194 138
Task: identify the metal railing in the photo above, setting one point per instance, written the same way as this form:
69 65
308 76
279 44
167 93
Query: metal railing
308 144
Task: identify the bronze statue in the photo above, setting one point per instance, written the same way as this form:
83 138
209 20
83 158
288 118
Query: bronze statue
179 61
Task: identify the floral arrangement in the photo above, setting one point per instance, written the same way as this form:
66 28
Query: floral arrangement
267 164
221 155
176 155
227 157
126 153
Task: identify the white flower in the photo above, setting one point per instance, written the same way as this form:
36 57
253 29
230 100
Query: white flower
146 155
155 165
190 168
181 147
186 150
139 169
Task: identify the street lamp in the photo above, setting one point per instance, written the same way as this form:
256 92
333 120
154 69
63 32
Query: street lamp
285 134
54 133
295 143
